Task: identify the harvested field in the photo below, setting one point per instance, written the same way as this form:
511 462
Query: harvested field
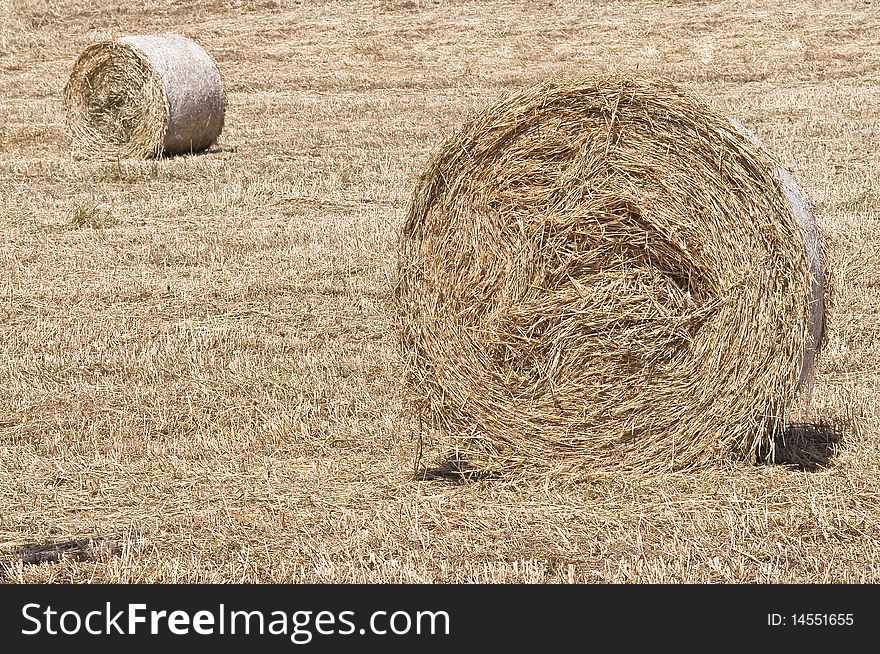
199 375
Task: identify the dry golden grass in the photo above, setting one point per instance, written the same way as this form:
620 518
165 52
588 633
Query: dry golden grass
197 368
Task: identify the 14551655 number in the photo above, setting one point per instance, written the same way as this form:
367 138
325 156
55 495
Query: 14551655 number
810 619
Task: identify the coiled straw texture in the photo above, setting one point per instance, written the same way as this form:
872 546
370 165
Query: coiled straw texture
606 274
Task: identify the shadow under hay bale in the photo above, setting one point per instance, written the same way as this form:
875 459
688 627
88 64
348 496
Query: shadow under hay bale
454 468
144 96
805 446
607 273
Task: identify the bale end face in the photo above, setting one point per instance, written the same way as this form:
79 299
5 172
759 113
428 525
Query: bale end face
606 273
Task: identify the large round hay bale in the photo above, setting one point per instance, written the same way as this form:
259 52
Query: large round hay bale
144 96
607 273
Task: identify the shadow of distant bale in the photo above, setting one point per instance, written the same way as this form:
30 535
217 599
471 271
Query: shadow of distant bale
806 446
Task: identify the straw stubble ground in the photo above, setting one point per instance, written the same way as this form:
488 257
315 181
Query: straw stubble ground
197 368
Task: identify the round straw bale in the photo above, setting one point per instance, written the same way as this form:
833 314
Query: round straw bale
606 273
144 96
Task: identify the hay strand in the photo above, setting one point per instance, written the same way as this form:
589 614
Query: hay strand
144 96
609 274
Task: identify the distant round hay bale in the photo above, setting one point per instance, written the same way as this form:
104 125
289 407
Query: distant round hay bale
606 273
144 96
